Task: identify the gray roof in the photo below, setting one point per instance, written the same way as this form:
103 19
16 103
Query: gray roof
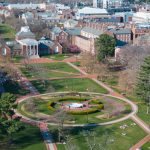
25 33
74 31
13 45
93 31
56 30
17 46
47 42
121 31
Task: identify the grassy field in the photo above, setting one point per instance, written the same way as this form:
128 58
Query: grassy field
7 32
17 59
28 139
49 70
120 142
142 113
71 84
146 146
58 57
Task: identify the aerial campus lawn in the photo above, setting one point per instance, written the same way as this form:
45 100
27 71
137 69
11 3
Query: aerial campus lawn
116 140
69 84
49 70
7 32
28 139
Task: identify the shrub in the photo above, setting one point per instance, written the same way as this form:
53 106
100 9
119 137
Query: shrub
73 98
96 101
51 105
100 106
83 112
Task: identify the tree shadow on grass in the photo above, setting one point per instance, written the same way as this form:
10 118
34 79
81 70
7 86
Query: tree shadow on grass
30 136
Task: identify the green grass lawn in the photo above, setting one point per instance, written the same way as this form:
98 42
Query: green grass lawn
77 63
7 32
15 88
17 59
121 142
110 80
49 70
142 113
71 84
146 146
58 56
28 139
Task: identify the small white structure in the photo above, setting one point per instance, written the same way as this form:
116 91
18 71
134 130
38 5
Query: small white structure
74 105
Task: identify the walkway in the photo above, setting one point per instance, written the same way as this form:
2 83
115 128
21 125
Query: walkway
43 127
132 115
142 124
140 143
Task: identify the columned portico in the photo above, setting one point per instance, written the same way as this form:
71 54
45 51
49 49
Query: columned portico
30 48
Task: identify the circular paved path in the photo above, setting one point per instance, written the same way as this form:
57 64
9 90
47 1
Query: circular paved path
133 107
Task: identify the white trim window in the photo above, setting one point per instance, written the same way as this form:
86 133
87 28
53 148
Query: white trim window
4 51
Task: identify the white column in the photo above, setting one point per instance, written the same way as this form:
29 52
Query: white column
34 49
27 50
37 50
30 51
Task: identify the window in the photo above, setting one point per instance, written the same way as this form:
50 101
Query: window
4 51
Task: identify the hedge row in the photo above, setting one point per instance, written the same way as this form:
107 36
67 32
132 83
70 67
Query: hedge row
51 105
73 98
83 112
96 101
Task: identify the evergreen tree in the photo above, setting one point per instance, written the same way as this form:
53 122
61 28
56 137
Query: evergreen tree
105 46
8 124
143 86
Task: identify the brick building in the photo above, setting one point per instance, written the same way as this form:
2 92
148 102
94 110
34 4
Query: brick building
140 30
5 51
122 35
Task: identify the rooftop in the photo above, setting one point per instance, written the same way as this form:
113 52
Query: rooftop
90 10
93 31
121 31
74 31
56 30
28 42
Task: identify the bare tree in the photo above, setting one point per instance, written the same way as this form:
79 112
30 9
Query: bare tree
94 144
88 61
61 116
69 143
133 56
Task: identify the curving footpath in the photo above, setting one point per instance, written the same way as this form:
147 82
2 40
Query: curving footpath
132 115
141 123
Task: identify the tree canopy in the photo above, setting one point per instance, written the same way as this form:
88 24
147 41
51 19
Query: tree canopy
8 123
105 46
143 86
